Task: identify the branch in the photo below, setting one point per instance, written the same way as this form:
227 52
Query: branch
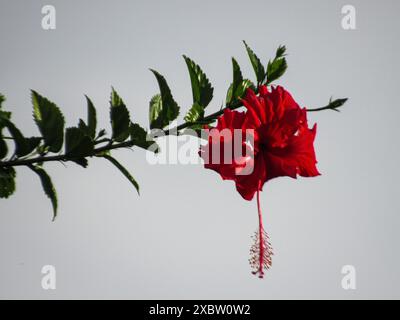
333 105
78 143
65 157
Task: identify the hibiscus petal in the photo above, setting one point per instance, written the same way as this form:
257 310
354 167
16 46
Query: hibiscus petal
298 157
282 144
231 120
221 139
247 185
255 115
307 160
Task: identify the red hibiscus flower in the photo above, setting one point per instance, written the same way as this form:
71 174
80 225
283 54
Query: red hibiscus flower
282 145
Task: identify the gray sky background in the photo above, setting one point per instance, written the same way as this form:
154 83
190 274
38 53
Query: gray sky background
188 234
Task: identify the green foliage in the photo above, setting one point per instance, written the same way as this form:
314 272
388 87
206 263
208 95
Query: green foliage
238 86
241 89
85 141
91 118
7 182
237 74
50 121
256 63
163 108
47 186
155 110
139 136
123 171
89 127
119 115
101 133
277 67
23 146
78 145
201 88
195 113
2 99
3 115
3 146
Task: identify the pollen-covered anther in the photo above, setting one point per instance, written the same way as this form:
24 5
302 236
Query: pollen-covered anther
260 253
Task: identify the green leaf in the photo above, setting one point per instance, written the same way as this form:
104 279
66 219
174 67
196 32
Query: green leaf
123 171
241 89
101 133
281 51
137 132
201 88
23 146
237 80
237 73
155 110
3 147
2 99
195 113
83 162
48 187
277 67
90 127
91 118
119 115
239 92
78 145
256 63
50 121
229 95
7 182
139 136
162 113
83 126
3 115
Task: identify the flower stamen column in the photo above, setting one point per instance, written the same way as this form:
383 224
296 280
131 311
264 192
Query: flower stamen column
261 251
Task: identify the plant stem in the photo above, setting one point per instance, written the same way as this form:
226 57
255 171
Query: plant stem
333 105
63 157
261 238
